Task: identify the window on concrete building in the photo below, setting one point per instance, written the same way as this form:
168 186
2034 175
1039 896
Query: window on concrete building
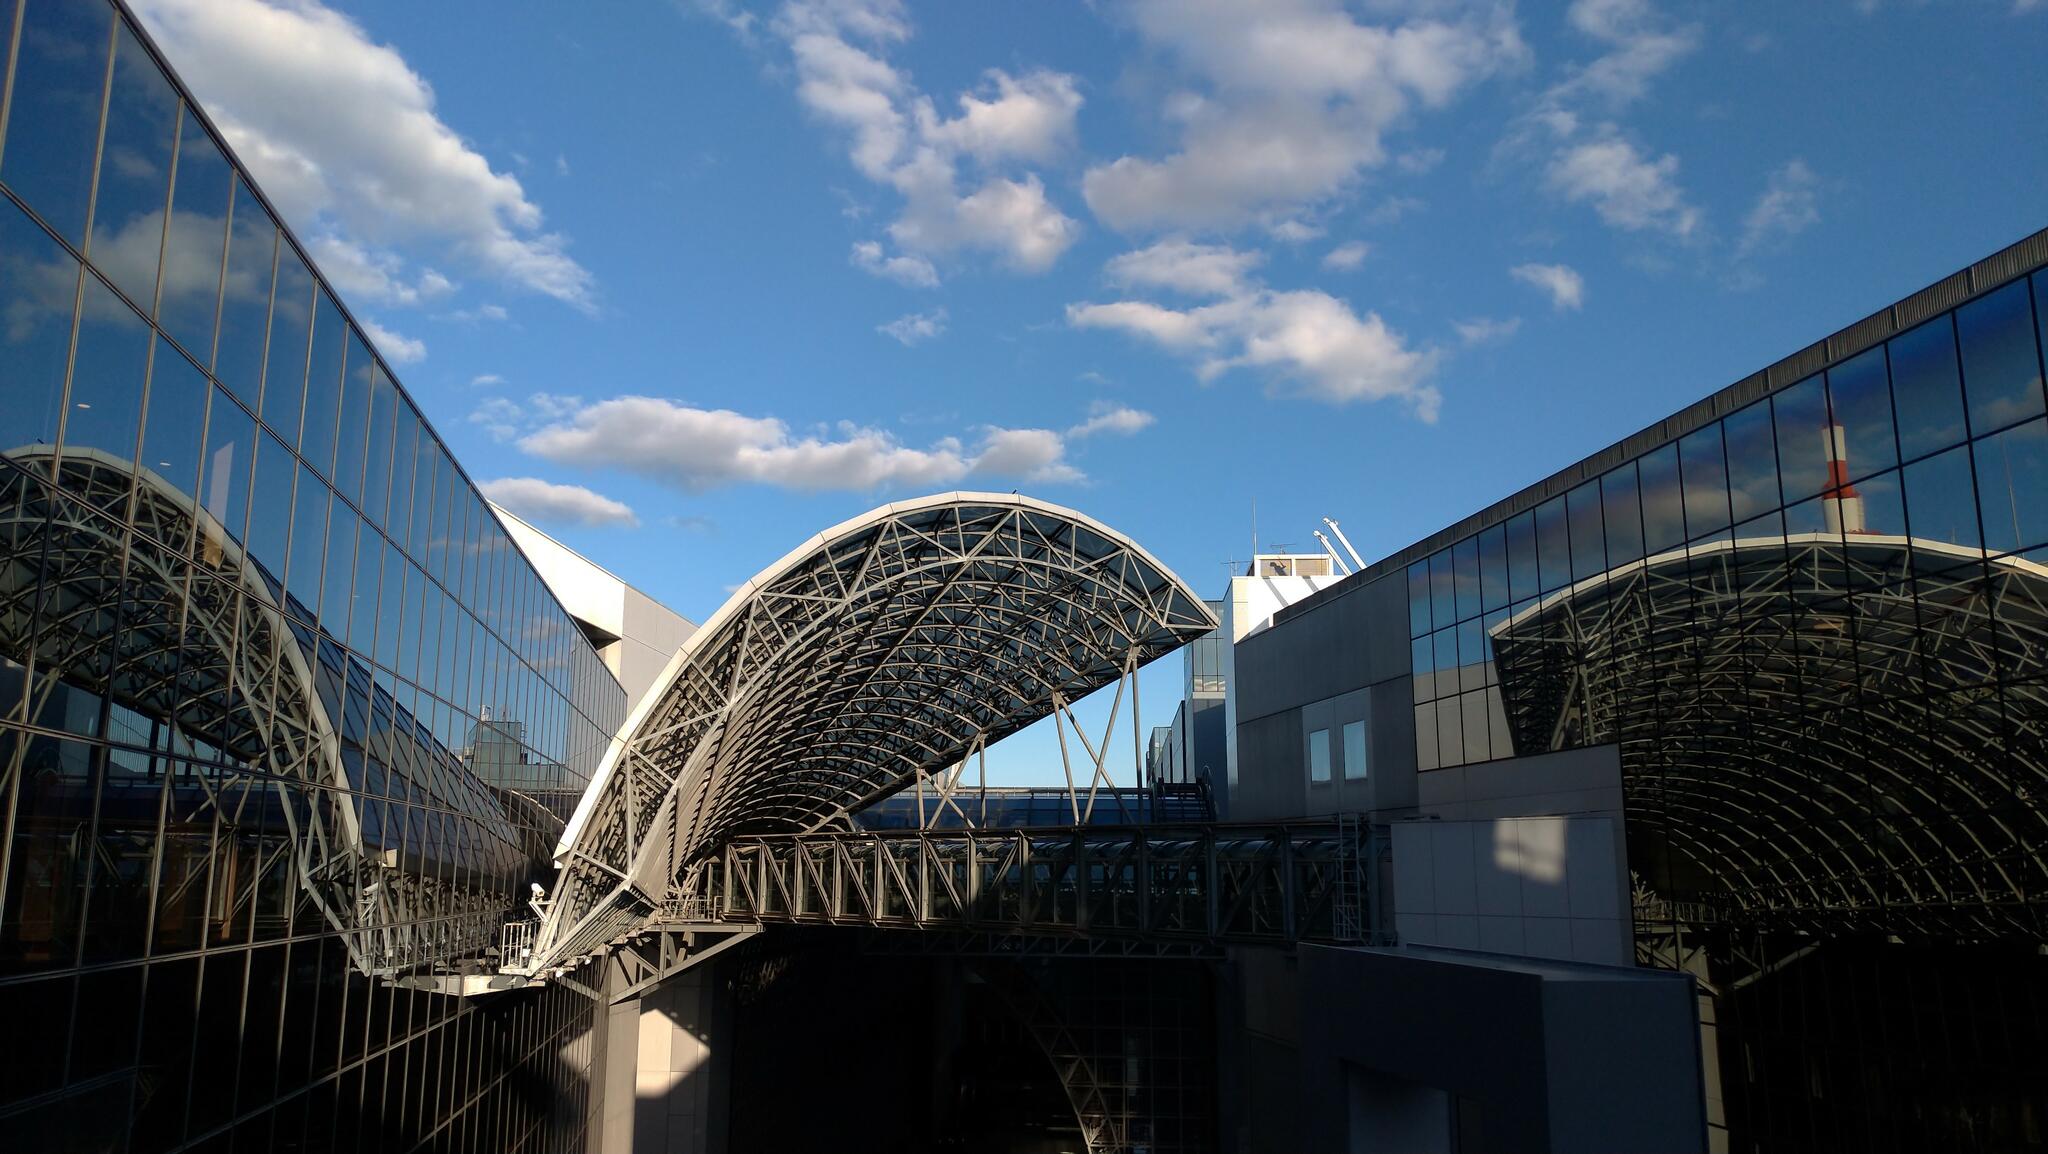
1355 765
1319 755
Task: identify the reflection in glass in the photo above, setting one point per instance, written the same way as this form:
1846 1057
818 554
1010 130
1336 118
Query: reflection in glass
1925 388
1941 500
224 482
2001 367
309 537
1703 465
1443 587
176 425
2012 475
245 298
135 172
291 318
1418 598
38 284
1553 545
1663 508
1589 549
1465 576
1752 461
53 119
1523 574
1622 515
106 375
1493 568
192 248
270 507
323 388
1861 404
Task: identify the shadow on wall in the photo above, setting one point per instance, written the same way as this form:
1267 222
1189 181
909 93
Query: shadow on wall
1542 887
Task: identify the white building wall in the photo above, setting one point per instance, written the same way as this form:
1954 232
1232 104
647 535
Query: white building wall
1248 609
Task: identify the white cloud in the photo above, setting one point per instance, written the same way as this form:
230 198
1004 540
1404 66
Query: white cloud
1787 207
1184 266
1294 231
1482 330
544 502
1640 46
1627 189
1288 103
1345 257
901 141
505 419
1417 161
1116 419
397 348
479 313
915 328
1566 287
485 381
1310 343
914 271
343 136
369 276
698 449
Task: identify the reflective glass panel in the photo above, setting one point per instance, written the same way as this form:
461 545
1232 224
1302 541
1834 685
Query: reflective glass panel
1800 413
354 421
200 194
38 285
1663 509
309 537
53 119
1443 589
1493 568
107 375
291 318
2001 368
230 449
1465 574
1752 461
1925 389
1861 403
377 462
2012 476
176 425
1589 545
245 298
270 506
1418 598
1941 500
1621 516
1319 755
135 172
1355 765
1553 545
323 388
340 569
1705 471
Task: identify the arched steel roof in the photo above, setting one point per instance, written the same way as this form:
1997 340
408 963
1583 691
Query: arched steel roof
882 648
1826 733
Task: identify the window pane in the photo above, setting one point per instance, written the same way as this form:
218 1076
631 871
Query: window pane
1878 507
53 122
1622 516
291 318
377 465
1427 756
2001 369
323 388
1589 537
1862 408
1553 545
1705 471
1450 732
270 506
1522 567
245 298
339 570
1422 667
1465 575
1443 589
2012 475
362 612
1663 512
1925 389
1319 755
135 172
230 445
176 424
354 421
1493 568
192 250
309 537
38 284
106 377
1941 501
1801 415
1752 462
1355 765
1418 598
1472 655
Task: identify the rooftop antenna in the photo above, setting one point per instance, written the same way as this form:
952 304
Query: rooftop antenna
1255 531
1356 559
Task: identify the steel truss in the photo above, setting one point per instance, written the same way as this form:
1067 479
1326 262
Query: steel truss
101 588
876 657
1837 735
1206 884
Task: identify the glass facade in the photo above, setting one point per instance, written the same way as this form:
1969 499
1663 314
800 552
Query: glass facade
1816 629
286 721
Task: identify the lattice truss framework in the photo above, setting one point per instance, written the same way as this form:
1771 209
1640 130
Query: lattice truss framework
1831 736
89 600
879 652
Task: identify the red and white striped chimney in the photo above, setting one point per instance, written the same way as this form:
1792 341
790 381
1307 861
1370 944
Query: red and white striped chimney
1843 505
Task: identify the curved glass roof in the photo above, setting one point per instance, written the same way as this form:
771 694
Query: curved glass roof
885 647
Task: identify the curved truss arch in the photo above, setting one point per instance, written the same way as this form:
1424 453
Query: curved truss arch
884 648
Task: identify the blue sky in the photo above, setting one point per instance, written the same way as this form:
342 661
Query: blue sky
691 281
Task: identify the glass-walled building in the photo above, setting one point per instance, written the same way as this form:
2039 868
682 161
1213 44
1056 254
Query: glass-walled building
285 718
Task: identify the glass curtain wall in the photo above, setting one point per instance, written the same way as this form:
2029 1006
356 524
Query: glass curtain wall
252 616
1817 630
